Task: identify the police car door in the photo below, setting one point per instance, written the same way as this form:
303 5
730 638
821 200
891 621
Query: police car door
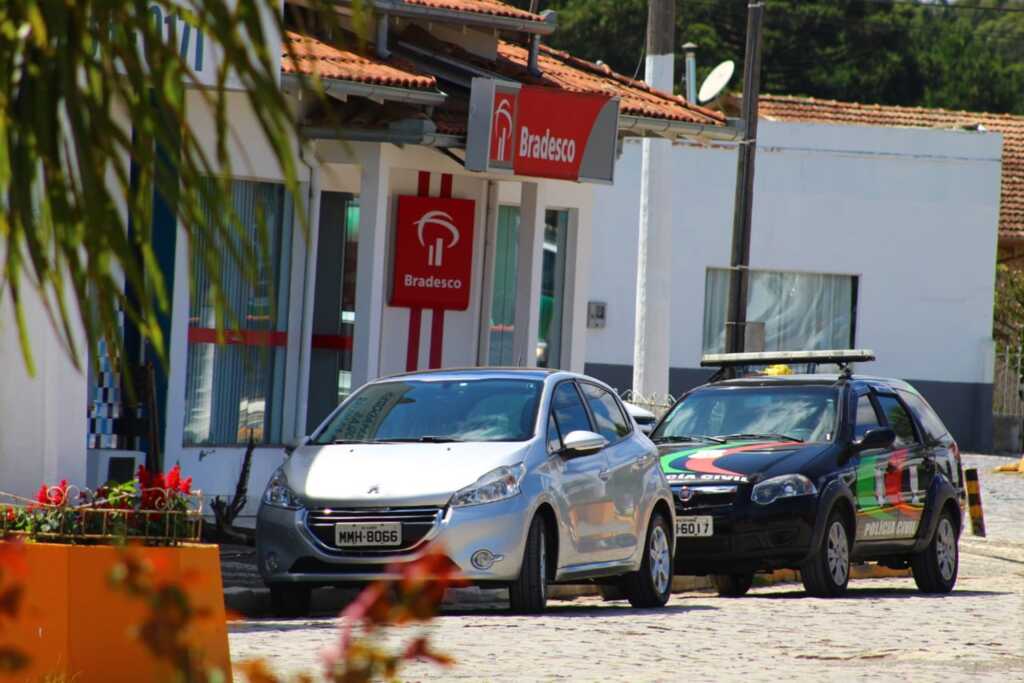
905 485
877 516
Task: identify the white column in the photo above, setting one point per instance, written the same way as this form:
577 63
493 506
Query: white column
529 267
374 213
490 238
653 278
177 351
577 272
306 298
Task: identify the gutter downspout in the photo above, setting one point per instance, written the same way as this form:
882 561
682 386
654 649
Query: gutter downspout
308 293
382 36
532 66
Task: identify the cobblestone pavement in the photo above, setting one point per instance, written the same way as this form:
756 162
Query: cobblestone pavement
883 630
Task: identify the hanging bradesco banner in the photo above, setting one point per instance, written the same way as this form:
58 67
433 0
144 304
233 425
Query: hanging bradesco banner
542 132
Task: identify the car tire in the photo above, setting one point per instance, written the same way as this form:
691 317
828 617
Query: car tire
290 599
935 569
528 594
827 571
733 585
652 585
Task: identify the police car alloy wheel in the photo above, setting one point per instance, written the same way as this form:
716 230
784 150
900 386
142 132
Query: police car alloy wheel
827 572
935 569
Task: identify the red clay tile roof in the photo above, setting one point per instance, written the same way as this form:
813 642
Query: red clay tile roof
1011 209
315 57
492 7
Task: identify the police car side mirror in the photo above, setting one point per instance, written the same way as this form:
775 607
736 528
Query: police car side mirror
879 437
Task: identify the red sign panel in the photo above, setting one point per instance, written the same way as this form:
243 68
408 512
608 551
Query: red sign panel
541 132
433 253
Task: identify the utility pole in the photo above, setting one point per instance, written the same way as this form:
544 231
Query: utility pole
654 263
736 321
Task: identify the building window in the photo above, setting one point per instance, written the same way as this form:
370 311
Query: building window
552 289
786 311
234 386
503 297
334 306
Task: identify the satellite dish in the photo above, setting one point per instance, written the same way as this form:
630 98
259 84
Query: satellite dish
716 81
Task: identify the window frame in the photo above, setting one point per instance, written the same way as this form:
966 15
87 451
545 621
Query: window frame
618 402
857 395
551 411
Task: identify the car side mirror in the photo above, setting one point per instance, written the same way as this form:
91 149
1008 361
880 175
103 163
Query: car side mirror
582 442
879 437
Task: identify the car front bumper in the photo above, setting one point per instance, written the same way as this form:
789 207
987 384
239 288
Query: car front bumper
288 552
749 537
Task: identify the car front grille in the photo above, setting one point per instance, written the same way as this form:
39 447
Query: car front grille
690 498
417 523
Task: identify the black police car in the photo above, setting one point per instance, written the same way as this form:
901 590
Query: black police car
809 472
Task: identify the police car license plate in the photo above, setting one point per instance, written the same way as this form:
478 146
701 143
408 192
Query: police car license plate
699 525
363 535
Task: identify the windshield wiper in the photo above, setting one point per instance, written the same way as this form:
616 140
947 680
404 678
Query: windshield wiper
780 437
682 438
427 439
351 441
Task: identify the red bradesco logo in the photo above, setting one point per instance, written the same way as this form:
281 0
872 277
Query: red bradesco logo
433 253
503 129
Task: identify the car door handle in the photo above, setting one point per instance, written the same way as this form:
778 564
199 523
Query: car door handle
604 474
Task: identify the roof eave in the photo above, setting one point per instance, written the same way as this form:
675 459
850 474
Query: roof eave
341 89
398 8
395 137
646 126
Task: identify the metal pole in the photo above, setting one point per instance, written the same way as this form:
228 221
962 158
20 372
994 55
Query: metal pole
735 326
690 50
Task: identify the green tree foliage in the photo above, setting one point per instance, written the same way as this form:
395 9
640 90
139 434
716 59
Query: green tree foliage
86 86
934 54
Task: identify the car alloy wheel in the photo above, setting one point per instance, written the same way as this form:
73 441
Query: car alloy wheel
661 560
838 553
945 549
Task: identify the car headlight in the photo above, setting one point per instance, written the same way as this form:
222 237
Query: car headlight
498 484
279 494
785 486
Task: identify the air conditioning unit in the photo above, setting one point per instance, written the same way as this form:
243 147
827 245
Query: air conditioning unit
103 465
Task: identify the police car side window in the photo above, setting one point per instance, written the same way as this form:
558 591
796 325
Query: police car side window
866 418
933 428
898 418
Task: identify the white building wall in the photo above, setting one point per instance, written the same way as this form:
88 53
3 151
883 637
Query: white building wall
913 212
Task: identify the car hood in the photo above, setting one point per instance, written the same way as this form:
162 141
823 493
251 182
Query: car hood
394 474
734 461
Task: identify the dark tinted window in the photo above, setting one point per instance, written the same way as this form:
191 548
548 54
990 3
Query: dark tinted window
568 409
611 423
898 418
867 418
802 412
934 430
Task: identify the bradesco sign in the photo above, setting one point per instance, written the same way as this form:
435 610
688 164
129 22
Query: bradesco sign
541 132
433 253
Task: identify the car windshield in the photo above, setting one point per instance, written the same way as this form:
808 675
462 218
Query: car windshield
783 413
436 412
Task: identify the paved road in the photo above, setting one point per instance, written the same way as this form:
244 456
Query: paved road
883 630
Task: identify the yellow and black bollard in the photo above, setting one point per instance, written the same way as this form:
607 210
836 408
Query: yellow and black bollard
974 501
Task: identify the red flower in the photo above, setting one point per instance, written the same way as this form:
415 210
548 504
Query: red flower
42 495
10 514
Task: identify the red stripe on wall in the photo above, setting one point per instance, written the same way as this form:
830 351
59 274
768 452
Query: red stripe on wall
412 347
436 338
337 342
446 185
423 187
208 335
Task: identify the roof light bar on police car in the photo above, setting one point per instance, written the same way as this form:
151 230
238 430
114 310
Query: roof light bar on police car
840 356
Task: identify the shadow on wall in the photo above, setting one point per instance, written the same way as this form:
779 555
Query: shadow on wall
965 407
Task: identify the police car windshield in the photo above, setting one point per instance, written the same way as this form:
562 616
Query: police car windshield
436 412
778 413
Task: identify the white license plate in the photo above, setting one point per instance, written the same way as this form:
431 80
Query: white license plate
700 525
371 535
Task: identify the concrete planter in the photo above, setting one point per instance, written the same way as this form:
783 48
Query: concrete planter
74 626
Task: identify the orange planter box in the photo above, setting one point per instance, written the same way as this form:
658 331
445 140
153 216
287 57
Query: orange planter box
72 623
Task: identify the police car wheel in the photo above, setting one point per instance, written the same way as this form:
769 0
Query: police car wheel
935 568
827 572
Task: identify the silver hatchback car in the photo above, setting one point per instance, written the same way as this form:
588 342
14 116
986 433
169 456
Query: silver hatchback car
524 477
